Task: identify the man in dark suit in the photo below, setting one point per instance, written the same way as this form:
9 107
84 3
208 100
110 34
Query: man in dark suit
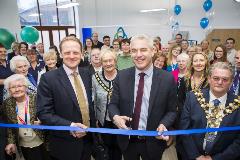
96 43
211 108
64 99
235 88
143 98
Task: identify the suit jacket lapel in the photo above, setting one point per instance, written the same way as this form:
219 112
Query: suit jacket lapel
66 84
207 98
130 87
156 81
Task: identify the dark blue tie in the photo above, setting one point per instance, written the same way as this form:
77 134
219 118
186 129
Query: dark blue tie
216 102
210 139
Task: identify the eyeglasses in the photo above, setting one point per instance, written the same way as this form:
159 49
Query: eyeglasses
223 79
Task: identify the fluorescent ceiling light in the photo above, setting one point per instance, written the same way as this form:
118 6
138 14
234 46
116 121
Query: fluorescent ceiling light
237 0
68 5
35 15
153 10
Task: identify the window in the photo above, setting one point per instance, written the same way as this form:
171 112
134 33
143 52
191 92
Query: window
28 12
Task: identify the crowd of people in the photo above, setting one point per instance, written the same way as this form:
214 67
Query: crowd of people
136 83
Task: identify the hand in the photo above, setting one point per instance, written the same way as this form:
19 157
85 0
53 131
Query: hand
203 158
162 128
38 122
170 141
78 134
120 121
10 149
208 157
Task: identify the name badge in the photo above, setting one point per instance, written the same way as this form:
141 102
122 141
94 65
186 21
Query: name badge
28 133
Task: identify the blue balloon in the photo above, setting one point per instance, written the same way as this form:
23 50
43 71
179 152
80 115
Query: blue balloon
177 9
207 5
204 22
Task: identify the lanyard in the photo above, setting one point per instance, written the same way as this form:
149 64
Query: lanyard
174 66
25 112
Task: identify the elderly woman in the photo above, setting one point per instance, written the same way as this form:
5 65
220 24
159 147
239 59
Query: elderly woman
50 59
20 108
182 61
102 90
20 65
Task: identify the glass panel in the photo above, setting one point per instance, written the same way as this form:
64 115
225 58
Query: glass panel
55 37
71 30
66 16
48 12
40 38
28 12
46 40
62 34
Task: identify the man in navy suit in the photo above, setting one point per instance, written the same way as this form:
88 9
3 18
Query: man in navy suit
143 98
235 88
196 114
64 99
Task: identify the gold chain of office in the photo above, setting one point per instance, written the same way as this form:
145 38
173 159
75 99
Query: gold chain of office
104 86
215 114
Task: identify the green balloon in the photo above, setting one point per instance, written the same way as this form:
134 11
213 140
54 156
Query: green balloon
6 38
29 34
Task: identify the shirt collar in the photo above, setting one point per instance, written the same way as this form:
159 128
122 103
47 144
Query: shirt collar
222 99
68 70
148 72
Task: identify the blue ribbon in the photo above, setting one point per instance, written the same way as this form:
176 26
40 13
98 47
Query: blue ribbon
123 131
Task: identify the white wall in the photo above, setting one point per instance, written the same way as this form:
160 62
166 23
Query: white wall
107 13
9 18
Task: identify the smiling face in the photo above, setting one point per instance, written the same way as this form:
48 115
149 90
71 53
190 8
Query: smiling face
71 54
23 49
176 51
88 43
199 62
218 52
108 62
142 54
21 68
3 54
159 62
17 89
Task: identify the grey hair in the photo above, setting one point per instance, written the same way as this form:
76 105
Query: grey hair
221 65
105 52
14 78
142 37
16 59
184 56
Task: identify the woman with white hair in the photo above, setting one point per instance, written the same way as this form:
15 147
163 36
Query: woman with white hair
182 61
102 82
20 65
20 108
50 59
